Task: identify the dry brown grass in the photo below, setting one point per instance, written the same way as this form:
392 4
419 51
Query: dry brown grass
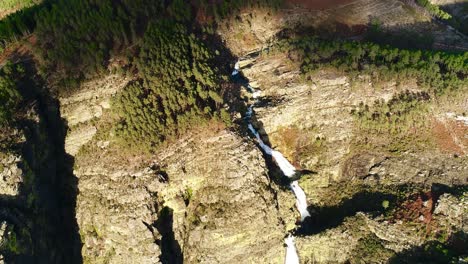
288 138
297 144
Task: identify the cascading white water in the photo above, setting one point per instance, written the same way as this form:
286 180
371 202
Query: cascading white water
288 170
291 253
236 69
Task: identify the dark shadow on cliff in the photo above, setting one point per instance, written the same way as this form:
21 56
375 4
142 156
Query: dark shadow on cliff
171 252
435 252
47 230
425 35
455 190
323 218
372 202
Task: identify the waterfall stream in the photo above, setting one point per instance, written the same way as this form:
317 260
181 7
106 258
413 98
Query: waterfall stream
285 166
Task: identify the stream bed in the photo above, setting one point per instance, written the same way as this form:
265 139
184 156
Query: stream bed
285 166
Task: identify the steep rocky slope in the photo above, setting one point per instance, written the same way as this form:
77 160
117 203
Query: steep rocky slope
38 189
82 107
213 192
320 109
211 189
212 197
310 121
253 29
10 174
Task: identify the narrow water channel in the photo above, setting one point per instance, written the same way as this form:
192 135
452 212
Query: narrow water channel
286 167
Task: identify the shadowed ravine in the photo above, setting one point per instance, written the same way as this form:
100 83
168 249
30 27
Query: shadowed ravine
280 161
170 248
43 215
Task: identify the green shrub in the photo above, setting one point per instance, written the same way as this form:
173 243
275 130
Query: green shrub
385 204
370 250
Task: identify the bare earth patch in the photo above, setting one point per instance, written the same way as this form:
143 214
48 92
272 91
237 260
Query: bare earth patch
450 136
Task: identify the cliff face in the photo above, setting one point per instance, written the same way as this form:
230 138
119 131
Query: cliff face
81 108
296 113
221 203
230 212
310 121
38 189
205 198
210 197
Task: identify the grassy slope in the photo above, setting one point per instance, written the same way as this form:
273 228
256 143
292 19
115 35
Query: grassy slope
10 6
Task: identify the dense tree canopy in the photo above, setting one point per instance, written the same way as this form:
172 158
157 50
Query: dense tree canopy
77 37
400 113
177 85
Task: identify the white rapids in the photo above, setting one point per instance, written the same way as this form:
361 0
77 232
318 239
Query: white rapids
288 170
236 69
291 252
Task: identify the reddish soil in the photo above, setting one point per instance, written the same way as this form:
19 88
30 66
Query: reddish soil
19 50
417 205
202 17
444 134
318 4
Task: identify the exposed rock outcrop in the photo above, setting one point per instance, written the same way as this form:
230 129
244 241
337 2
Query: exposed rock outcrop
10 175
222 202
212 191
296 113
80 108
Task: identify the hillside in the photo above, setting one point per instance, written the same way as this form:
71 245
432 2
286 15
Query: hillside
256 131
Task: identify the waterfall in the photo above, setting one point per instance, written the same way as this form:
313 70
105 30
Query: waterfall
285 166
291 252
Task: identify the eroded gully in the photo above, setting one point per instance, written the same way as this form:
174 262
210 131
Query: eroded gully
285 166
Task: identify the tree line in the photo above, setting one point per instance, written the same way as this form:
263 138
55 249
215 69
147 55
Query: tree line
176 78
436 70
